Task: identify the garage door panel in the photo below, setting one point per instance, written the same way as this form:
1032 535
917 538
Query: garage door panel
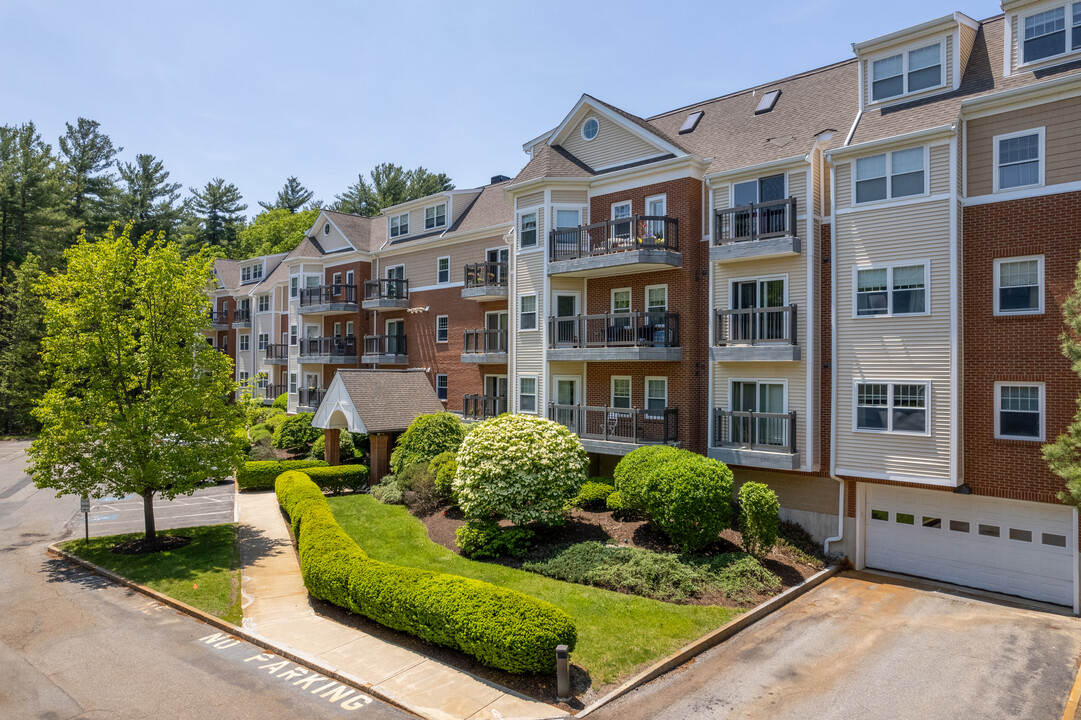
1017 563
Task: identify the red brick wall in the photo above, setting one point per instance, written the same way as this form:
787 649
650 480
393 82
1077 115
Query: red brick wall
1016 348
688 288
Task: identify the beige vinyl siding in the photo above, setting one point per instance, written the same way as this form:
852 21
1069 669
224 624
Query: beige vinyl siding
1062 138
899 349
795 492
827 196
794 376
569 196
528 279
940 168
528 201
613 145
421 264
843 185
460 204
968 37
911 44
1014 19
959 181
938 175
334 241
816 188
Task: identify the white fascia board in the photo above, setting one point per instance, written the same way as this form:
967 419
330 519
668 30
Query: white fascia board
1062 88
712 178
337 398
633 128
544 136
925 28
510 191
906 139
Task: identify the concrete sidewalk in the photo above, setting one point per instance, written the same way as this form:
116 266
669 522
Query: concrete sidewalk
276 607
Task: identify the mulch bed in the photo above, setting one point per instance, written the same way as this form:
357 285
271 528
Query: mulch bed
601 526
142 546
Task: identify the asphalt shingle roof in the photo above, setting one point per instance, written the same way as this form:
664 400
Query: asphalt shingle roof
389 400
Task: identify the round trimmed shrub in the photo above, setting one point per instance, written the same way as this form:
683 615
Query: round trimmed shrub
297 434
614 501
520 467
274 421
426 437
281 402
636 466
690 499
759 518
444 467
593 494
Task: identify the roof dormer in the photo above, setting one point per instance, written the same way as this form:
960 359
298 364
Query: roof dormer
917 62
1040 34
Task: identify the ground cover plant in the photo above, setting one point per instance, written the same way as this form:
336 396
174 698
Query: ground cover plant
204 573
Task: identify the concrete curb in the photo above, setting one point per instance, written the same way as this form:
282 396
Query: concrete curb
257 640
714 638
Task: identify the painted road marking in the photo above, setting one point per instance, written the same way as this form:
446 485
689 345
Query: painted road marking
288 672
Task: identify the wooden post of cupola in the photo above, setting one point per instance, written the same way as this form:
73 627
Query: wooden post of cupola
332 438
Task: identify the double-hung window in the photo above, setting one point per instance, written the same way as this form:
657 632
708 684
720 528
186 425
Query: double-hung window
264 303
292 334
621 392
294 286
399 225
527 315
527 394
442 270
442 328
292 383
264 340
527 230
890 175
656 396
257 271
907 72
243 341
245 273
892 407
1019 159
1019 411
441 386
1019 286
1051 32
435 216
892 290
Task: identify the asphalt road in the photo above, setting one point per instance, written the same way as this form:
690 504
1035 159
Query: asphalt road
73 645
875 648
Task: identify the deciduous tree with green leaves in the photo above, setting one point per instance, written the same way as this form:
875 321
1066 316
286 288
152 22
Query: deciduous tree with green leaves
137 400
275 231
1063 455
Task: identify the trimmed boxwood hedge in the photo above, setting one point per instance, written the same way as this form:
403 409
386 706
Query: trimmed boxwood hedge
502 628
260 474
338 477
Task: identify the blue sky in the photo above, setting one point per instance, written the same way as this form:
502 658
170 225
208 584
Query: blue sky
257 91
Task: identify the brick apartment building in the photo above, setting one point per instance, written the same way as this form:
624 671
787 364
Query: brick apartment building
846 284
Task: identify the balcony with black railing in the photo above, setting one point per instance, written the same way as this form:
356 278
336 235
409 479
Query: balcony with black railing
242 318
277 354
340 350
616 430
219 319
767 334
325 299
385 350
615 336
755 439
756 231
309 398
482 407
485 281
639 243
485 346
271 392
386 294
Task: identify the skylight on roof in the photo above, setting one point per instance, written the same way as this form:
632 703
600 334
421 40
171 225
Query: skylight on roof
767 102
690 123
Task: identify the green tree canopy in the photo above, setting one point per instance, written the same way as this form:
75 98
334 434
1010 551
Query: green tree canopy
292 197
275 231
220 216
32 218
147 199
137 400
88 155
390 185
1063 455
21 328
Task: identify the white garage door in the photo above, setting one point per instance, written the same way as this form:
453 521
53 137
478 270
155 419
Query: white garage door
1007 546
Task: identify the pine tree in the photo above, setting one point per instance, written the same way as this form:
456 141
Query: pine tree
390 185
31 215
220 212
147 199
21 330
292 197
1063 455
88 155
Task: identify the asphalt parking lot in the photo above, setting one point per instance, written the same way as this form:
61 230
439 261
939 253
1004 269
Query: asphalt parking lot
115 515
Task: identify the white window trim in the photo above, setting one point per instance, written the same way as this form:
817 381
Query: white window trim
1041 133
437 261
582 131
446 208
240 338
294 286
556 294
398 217
389 268
758 279
783 382
889 288
630 391
1022 64
337 332
260 301
758 187
536 212
326 228
294 383
645 296
577 388
536 313
260 345
535 394
612 210
349 277
446 385
645 390
294 335
437 319
903 52
318 330
612 300
386 325
889 407
1043 410
349 328
889 175
1040 284
651 198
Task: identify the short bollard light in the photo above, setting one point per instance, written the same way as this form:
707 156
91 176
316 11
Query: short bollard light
563 674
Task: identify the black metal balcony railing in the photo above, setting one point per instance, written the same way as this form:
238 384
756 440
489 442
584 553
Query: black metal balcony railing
753 326
482 407
757 221
386 289
638 232
242 315
310 397
755 430
326 294
486 341
332 346
640 329
486 274
219 317
277 352
385 345
629 425
270 392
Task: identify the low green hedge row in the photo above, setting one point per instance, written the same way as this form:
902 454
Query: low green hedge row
260 474
338 477
502 628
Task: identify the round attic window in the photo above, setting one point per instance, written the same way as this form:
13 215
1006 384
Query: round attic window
326 228
590 128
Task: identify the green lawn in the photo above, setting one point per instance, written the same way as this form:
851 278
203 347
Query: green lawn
204 574
617 633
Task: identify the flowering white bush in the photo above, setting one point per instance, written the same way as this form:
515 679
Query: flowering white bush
520 467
